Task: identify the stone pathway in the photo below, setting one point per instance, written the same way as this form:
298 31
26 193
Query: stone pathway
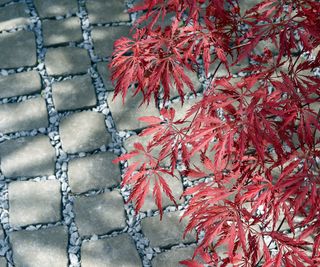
60 199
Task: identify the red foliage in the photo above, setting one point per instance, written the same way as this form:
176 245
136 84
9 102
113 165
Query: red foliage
258 138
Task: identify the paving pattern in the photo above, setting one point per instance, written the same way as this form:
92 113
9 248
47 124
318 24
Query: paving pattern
60 199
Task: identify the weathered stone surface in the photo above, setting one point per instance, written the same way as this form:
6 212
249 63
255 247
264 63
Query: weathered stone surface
27 156
27 115
34 202
93 172
129 146
61 31
168 231
126 115
99 214
101 11
105 75
247 4
45 247
176 188
181 110
17 49
172 257
20 84
118 251
67 60
74 94
195 81
83 132
13 15
103 38
3 262
51 8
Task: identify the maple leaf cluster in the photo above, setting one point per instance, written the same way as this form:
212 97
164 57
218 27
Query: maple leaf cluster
257 136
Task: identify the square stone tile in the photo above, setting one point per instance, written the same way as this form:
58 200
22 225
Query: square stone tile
20 46
102 11
93 172
61 31
172 257
176 188
103 38
52 8
45 247
27 115
118 251
27 156
3 262
13 16
20 84
126 115
83 132
74 94
99 214
105 75
67 60
34 202
168 231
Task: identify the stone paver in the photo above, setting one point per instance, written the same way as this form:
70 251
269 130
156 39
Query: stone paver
74 94
52 8
83 132
46 247
3 262
93 172
20 84
67 60
105 75
172 257
126 115
27 115
34 202
20 46
61 31
101 11
103 38
13 15
167 232
176 188
116 251
99 214
27 156
129 146
195 81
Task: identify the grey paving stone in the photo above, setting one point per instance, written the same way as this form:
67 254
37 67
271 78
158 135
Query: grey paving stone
99 214
13 15
61 31
119 251
3 262
67 60
172 257
167 232
51 8
176 188
83 132
247 4
93 172
45 247
126 115
20 84
101 11
103 38
17 49
27 115
194 78
74 94
105 75
27 156
181 110
34 202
